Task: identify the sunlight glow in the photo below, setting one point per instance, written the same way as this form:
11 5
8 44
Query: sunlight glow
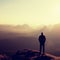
31 12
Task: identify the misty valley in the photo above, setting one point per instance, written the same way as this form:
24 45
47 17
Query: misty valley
13 38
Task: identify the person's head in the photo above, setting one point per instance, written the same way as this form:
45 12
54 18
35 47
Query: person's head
41 33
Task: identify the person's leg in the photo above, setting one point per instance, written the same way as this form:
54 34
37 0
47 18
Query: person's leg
40 49
43 49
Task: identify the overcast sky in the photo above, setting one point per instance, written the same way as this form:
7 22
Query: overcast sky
31 12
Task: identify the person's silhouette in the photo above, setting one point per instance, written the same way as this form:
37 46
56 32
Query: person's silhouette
42 40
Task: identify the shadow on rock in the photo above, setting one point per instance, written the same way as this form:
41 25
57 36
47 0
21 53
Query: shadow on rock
44 58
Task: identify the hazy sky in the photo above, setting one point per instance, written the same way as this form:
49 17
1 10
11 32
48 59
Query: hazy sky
32 12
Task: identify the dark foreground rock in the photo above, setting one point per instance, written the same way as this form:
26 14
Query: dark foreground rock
30 55
44 58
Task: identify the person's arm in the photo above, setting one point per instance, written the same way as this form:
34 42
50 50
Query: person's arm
45 38
39 38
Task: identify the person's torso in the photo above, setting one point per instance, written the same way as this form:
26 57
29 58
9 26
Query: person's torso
42 39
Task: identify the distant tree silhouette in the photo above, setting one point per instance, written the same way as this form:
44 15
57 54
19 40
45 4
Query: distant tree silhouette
42 40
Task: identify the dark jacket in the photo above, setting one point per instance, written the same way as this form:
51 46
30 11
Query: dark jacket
42 39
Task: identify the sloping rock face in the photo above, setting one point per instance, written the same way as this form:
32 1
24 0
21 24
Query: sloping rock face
30 55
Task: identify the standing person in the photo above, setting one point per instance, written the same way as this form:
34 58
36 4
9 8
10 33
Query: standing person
42 40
